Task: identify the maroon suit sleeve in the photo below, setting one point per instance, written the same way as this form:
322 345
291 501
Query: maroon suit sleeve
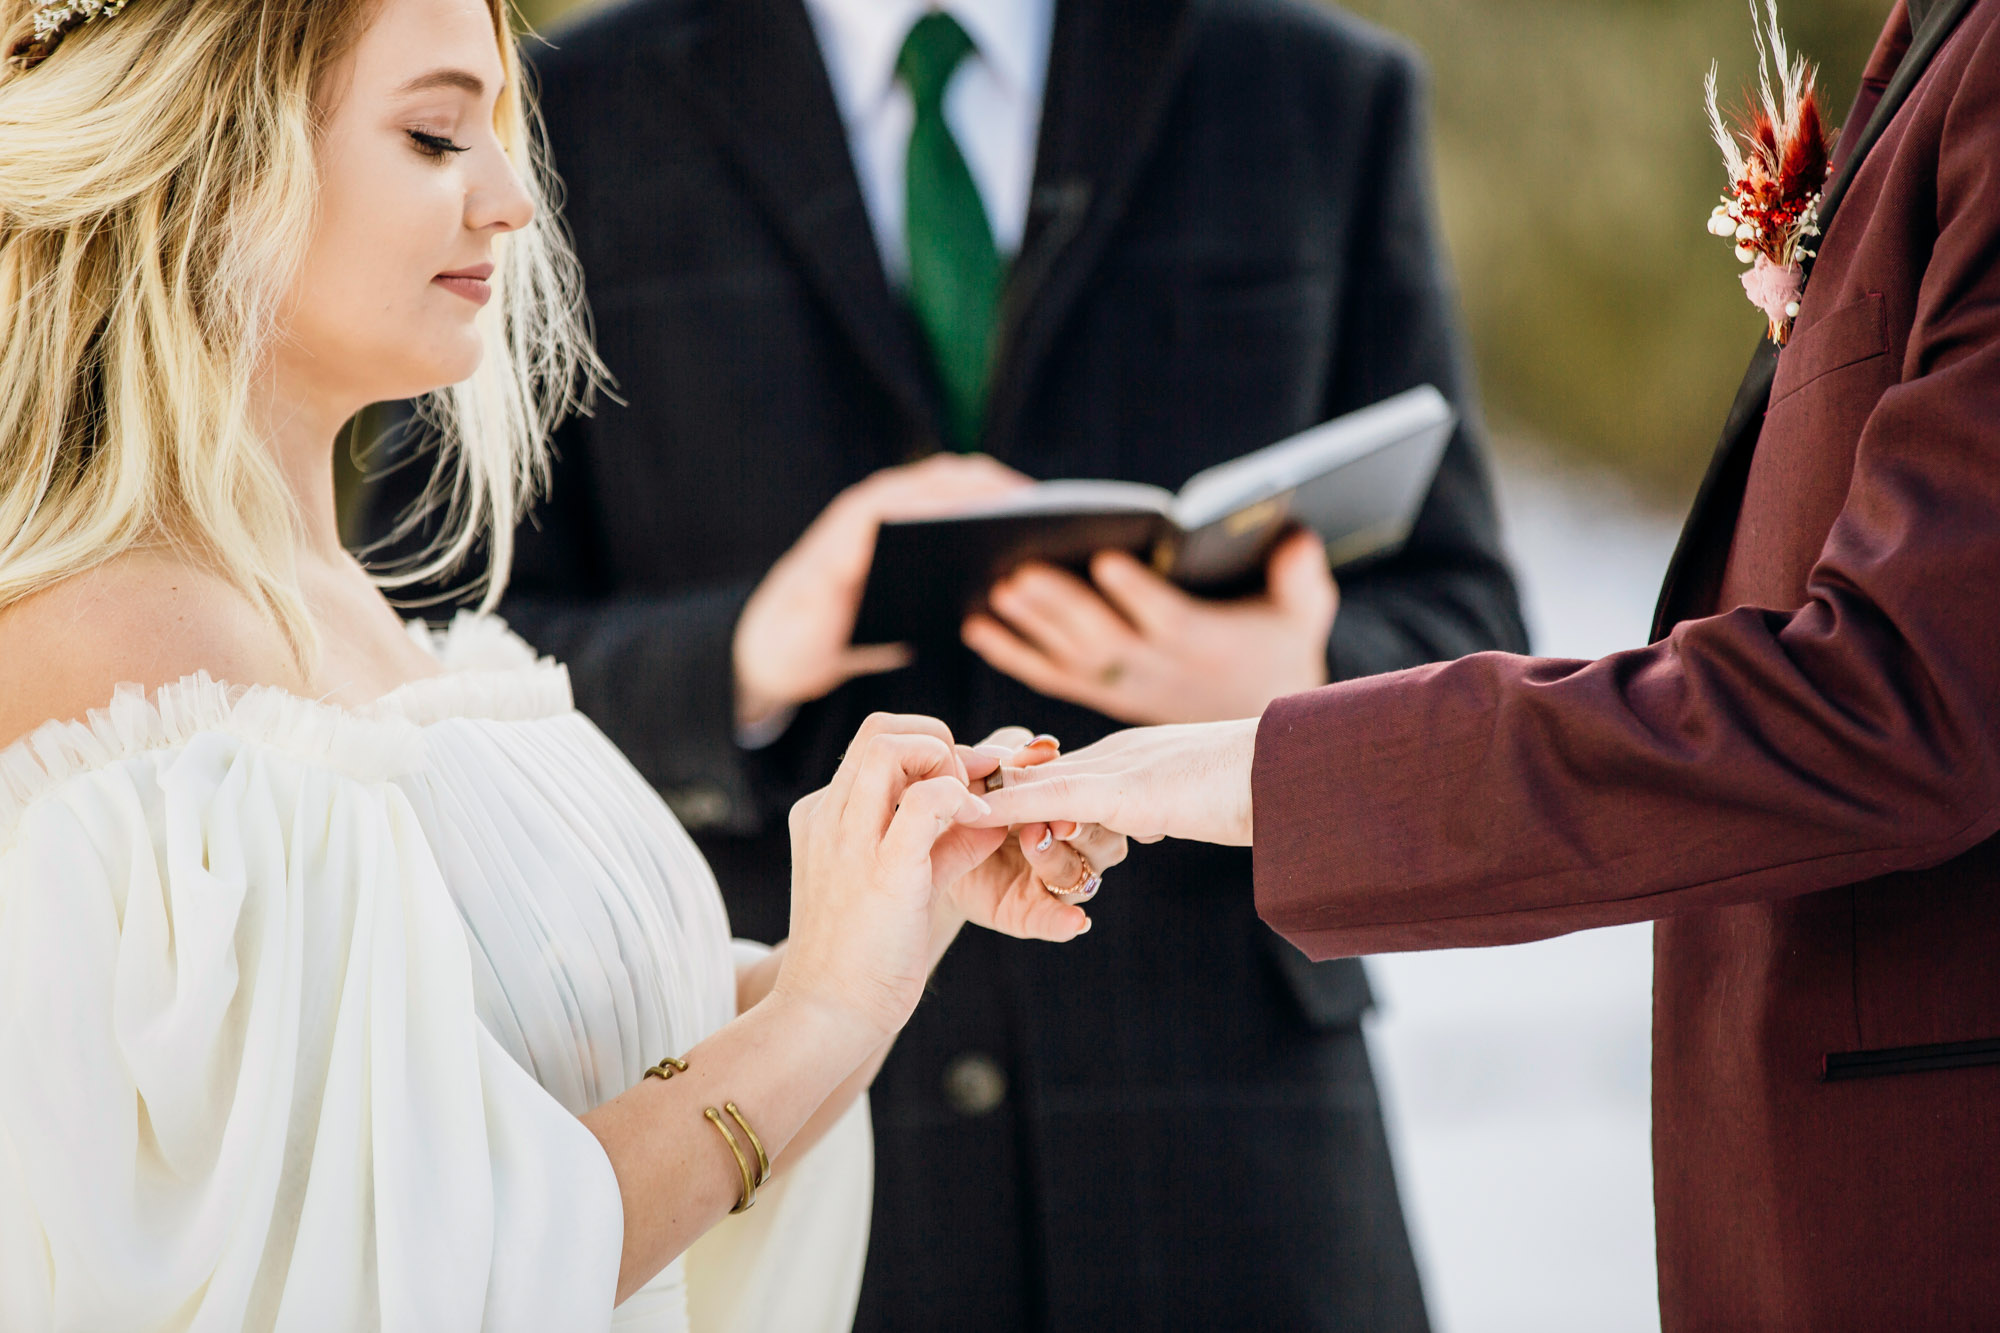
1750 755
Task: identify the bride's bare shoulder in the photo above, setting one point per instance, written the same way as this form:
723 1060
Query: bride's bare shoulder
146 618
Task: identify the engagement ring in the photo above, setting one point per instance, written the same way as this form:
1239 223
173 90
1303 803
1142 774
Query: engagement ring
1084 889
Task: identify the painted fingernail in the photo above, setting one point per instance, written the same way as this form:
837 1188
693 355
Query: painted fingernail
1048 840
1044 742
1065 824
1086 927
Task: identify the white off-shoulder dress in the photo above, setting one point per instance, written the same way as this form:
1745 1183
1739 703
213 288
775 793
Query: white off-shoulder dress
299 1006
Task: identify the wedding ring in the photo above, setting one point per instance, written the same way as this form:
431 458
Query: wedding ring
997 779
1084 889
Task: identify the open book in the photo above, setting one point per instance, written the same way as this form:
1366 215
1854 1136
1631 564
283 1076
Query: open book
1358 481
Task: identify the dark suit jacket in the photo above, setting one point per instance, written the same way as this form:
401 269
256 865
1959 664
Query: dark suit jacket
1172 1124
1800 780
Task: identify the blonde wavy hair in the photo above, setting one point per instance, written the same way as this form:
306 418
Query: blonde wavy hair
157 190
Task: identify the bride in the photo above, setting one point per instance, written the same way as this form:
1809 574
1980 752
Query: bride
348 977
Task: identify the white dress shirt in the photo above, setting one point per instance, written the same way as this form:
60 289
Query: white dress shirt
993 105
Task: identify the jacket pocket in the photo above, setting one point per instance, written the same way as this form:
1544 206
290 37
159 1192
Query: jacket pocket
1855 332
1842 1065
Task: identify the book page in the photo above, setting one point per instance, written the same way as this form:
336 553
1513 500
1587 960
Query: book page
1214 494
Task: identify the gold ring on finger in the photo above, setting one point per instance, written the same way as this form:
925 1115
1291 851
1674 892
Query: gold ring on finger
1084 889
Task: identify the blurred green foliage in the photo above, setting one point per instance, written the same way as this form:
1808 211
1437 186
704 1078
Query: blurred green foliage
1575 178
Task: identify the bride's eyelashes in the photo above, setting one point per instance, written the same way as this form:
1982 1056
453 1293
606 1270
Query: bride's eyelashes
435 146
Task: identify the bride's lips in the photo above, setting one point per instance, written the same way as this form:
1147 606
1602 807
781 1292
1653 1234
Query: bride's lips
471 283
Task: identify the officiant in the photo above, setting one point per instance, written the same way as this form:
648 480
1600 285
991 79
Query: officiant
860 259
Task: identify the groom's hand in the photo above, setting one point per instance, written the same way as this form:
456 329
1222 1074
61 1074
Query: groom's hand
1137 648
1001 883
791 643
1147 783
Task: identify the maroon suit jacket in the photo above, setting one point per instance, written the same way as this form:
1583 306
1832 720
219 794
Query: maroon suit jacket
1800 781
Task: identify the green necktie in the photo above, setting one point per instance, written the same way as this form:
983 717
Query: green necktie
955 269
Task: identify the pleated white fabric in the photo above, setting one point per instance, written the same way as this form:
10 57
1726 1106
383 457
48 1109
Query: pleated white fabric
298 1007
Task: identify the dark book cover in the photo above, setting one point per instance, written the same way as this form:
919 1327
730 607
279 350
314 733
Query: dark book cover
1358 481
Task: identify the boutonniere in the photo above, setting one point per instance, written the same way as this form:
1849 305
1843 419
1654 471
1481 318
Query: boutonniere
1775 150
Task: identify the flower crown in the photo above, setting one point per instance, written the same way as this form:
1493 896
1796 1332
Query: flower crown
54 21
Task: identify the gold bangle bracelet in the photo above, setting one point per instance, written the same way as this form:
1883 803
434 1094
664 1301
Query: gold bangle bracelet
667 1068
749 1194
763 1162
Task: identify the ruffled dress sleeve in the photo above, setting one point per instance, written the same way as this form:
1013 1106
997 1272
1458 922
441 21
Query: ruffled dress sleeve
242 1082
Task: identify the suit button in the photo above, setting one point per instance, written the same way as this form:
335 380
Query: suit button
974 1084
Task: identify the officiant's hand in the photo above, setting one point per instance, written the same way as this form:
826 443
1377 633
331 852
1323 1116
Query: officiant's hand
1137 648
792 640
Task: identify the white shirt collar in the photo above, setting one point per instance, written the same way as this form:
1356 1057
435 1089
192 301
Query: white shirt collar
1011 36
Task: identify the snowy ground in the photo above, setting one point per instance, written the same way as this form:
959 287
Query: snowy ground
1517 1078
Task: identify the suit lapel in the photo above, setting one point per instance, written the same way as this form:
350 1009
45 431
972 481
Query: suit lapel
1704 541
755 72
1939 19
1113 66
1694 573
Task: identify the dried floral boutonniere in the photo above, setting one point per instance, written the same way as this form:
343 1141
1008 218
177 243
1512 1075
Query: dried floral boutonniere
1776 153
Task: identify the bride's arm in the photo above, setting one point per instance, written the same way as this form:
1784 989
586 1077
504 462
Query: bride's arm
1047 861
850 976
754 982
676 1176
848 980
868 926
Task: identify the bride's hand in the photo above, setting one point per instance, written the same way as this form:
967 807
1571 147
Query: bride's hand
864 904
1006 887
